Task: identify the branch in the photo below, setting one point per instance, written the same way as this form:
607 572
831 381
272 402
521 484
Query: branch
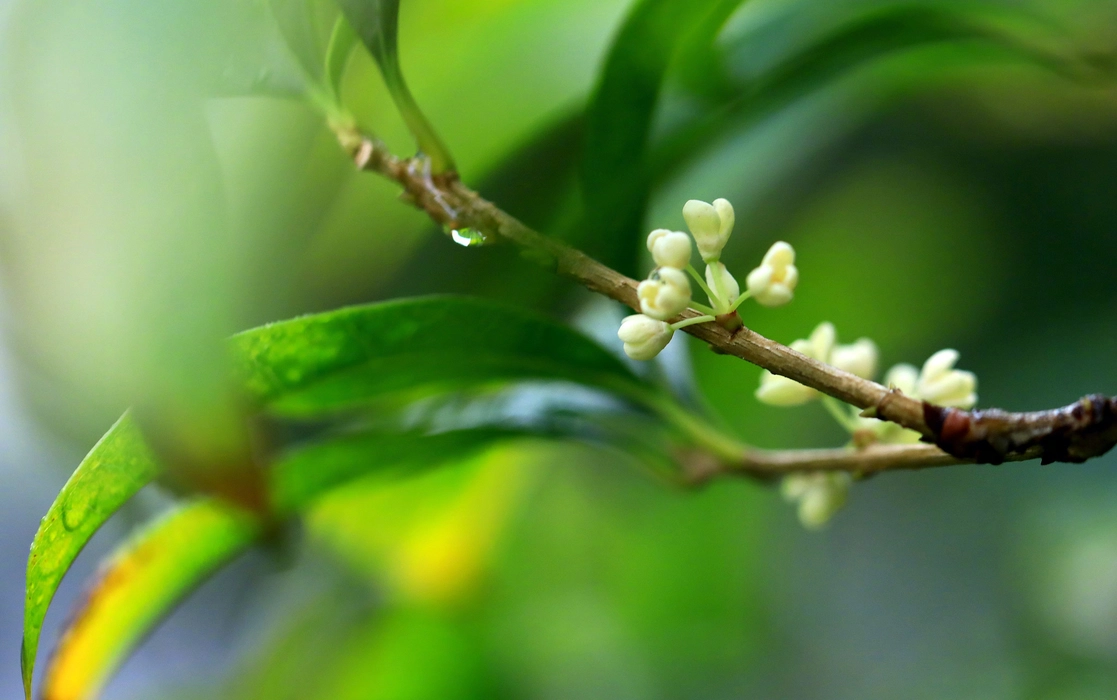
1074 433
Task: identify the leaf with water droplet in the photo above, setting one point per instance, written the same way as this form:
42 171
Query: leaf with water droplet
115 469
142 580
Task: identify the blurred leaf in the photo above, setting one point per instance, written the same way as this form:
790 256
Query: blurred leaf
139 584
337 360
117 467
299 23
308 472
342 42
260 62
376 22
810 64
615 177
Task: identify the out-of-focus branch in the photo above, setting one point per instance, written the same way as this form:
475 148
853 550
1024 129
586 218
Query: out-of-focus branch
1075 433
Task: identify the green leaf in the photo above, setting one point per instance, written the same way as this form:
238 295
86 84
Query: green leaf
342 42
806 66
377 24
137 586
306 473
342 359
117 467
615 177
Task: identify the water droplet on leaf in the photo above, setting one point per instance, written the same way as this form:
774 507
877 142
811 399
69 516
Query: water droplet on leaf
467 237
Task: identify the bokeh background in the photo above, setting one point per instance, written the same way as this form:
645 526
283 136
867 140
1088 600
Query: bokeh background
942 195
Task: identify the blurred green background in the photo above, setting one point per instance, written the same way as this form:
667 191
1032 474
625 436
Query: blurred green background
939 194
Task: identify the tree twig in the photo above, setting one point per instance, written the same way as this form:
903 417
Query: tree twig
1074 433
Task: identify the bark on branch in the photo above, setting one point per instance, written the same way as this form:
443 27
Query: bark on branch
1075 433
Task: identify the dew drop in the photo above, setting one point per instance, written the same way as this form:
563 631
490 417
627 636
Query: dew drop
467 237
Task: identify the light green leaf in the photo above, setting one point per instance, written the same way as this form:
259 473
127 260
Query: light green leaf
306 473
376 22
342 42
342 359
117 467
137 586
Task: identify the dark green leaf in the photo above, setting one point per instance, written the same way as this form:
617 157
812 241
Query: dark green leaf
117 467
615 179
332 361
376 22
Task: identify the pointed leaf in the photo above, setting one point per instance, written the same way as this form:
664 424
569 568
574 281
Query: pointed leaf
341 359
116 468
376 22
137 586
615 179
342 42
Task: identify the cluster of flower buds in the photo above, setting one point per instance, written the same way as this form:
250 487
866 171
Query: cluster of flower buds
666 293
819 495
859 357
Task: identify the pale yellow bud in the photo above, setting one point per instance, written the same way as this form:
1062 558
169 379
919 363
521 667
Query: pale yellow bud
723 285
773 282
710 224
858 358
669 248
665 294
644 337
939 383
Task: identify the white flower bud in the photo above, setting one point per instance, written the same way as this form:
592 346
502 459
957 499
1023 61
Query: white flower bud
773 282
819 494
858 358
723 285
665 294
669 248
903 377
941 384
643 337
710 224
775 390
820 503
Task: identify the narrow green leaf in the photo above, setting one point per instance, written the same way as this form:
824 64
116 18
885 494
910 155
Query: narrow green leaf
342 359
615 177
813 63
306 473
117 467
342 42
376 22
141 582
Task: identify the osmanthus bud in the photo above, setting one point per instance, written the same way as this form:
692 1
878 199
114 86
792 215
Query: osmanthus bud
669 248
819 495
710 224
859 358
644 337
904 377
941 384
723 285
664 294
773 282
775 390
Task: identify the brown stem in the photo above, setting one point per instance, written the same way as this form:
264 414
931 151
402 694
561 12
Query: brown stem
1075 433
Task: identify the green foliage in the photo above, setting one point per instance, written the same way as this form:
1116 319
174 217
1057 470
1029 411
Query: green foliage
376 22
138 584
116 468
343 359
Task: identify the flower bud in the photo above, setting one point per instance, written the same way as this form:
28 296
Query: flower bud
775 390
773 282
941 384
669 248
819 494
665 294
723 285
903 377
643 337
710 224
858 358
